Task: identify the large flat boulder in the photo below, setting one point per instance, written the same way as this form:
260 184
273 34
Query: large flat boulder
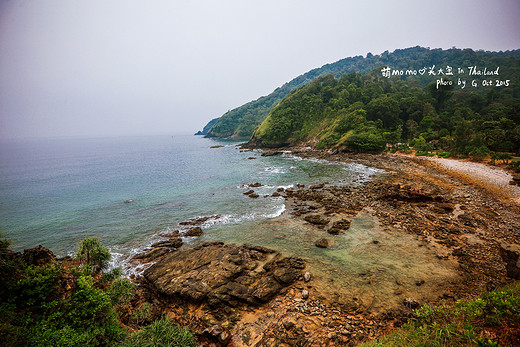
223 274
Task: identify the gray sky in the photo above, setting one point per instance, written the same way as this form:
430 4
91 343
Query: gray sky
125 67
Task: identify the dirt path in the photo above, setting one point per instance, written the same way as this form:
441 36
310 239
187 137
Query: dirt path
485 176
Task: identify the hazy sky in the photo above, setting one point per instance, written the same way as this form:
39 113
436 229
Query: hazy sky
124 67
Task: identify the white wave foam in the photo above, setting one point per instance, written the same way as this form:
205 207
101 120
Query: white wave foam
278 212
275 170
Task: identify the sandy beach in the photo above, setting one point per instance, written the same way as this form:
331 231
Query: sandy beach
480 174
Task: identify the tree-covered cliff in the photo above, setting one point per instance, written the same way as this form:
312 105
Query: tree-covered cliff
242 121
366 112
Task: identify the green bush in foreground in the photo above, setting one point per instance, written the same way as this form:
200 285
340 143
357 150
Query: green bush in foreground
92 252
463 323
53 305
161 333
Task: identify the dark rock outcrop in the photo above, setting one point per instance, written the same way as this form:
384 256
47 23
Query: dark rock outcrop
222 275
339 226
316 219
38 256
510 258
195 231
199 221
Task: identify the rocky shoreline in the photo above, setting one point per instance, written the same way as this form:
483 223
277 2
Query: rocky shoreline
245 295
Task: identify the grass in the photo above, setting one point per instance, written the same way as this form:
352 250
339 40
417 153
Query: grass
491 320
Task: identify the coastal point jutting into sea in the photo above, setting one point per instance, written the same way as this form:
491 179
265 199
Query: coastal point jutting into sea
235 174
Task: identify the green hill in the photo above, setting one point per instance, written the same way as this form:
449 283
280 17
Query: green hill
366 112
207 127
242 121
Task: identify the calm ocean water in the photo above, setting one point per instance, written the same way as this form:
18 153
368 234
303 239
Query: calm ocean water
56 192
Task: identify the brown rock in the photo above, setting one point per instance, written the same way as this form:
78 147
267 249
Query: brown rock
253 196
223 275
411 303
271 153
38 255
152 255
322 243
316 219
195 231
510 257
255 185
174 242
339 226
199 221
251 191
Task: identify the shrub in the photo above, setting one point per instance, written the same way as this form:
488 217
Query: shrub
86 317
50 305
479 153
514 165
121 291
92 252
463 323
161 333
503 157
421 154
366 141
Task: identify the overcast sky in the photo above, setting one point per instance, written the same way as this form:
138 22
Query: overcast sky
124 67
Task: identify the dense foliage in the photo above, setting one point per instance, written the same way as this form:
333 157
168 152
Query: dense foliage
161 333
242 121
207 127
62 304
366 112
491 320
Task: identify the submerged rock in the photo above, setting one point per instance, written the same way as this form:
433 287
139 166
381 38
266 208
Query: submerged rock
322 243
199 221
339 227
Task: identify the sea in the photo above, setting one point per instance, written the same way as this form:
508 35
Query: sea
130 191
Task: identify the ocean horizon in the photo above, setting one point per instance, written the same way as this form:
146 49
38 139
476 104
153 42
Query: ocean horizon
127 191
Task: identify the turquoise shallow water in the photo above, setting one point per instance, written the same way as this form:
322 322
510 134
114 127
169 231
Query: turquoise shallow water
60 191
